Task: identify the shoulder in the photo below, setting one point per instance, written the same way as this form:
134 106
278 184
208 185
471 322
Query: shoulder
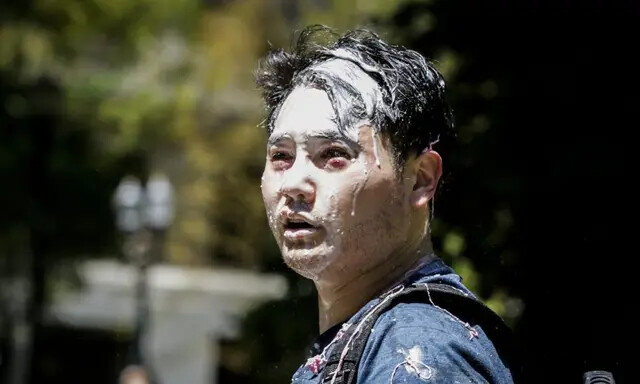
418 342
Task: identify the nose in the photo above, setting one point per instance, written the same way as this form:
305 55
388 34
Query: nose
297 184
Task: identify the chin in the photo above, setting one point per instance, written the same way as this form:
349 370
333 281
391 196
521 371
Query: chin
309 262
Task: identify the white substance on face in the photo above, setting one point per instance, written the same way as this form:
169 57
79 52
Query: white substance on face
353 199
375 147
343 238
333 209
357 192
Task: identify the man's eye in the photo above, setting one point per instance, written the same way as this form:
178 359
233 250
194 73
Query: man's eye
280 160
280 156
335 158
332 153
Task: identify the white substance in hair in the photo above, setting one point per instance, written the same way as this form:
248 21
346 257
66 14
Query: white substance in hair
366 86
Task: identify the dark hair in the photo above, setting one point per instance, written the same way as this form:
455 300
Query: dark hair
408 103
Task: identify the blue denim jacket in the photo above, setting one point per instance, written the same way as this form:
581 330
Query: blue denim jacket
415 343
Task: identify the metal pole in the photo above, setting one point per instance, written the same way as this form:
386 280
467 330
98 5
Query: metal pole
136 249
142 314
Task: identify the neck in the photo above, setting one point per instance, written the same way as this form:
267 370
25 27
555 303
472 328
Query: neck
339 301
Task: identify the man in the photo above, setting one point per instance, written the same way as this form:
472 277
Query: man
350 172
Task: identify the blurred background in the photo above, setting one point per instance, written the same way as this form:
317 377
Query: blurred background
132 231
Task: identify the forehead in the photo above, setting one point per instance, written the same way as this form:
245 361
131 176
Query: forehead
307 112
355 97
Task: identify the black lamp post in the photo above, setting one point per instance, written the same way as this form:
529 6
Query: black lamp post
141 215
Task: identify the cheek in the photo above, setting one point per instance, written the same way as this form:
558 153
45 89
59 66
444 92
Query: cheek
269 187
270 193
356 196
378 190
337 190
380 220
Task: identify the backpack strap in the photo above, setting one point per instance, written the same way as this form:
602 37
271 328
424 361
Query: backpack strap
342 364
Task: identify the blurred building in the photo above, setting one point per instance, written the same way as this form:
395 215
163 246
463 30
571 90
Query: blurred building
190 310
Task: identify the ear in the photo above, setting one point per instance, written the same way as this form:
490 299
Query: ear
428 168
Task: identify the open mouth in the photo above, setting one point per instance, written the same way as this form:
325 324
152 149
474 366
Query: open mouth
296 230
293 225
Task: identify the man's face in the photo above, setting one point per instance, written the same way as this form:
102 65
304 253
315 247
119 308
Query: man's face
334 201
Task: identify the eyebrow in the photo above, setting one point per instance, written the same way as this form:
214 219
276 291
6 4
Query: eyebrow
274 139
324 135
